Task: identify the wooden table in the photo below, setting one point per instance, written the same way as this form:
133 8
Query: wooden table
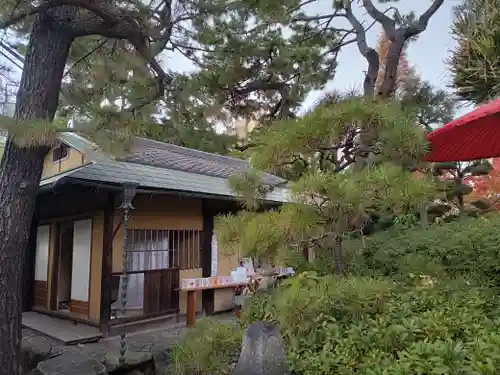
251 285
191 299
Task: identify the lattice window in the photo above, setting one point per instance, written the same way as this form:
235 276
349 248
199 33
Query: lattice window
60 153
154 249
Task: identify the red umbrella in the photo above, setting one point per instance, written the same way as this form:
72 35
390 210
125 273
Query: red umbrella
473 136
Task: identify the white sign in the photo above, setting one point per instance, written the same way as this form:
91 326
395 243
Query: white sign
215 256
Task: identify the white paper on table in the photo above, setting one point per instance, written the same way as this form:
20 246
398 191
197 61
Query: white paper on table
248 265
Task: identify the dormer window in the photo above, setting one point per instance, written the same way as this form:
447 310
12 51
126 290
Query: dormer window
60 153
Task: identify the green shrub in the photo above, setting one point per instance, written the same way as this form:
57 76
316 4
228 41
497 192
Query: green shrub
468 248
427 303
209 349
370 326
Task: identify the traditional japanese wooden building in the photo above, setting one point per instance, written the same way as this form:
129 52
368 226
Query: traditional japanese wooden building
80 233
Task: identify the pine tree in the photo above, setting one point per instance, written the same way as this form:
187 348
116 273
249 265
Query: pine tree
329 197
336 155
474 63
455 178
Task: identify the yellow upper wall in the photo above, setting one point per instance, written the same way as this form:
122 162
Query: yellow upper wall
74 159
157 212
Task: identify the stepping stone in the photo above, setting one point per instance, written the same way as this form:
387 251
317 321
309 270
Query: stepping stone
70 362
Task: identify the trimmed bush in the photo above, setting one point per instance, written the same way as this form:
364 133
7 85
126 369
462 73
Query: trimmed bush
415 303
211 348
367 326
468 248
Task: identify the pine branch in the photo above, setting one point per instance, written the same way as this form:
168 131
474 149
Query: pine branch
397 36
103 18
106 13
19 16
86 56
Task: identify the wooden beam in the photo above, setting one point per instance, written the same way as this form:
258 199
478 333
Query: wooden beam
107 264
208 229
83 200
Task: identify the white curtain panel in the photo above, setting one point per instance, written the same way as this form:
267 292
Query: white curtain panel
149 254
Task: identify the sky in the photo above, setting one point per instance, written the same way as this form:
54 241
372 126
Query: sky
428 53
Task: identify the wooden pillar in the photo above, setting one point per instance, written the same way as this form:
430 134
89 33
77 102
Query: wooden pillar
54 257
107 264
191 308
29 265
208 229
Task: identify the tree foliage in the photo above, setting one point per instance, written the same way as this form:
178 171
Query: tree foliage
475 63
360 325
331 197
414 303
455 178
345 147
486 188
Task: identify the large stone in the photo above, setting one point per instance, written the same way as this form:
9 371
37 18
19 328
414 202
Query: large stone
161 358
262 352
36 348
71 362
132 359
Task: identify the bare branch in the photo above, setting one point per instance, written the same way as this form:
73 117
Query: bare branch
370 54
387 22
423 20
359 30
246 147
397 45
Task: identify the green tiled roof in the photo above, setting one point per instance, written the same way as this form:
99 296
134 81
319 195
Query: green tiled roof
116 172
166 155
158 165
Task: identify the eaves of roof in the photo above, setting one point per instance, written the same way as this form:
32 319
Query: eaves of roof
149 177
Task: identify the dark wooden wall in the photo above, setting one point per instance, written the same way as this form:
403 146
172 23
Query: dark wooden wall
63 201
212 208
70 201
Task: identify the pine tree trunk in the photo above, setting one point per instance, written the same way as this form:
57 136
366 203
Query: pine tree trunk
20 172
389 82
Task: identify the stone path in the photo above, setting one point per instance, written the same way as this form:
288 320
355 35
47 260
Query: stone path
147 352
62 330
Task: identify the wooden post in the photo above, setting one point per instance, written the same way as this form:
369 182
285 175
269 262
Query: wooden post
208 295
29 265
107 264
54 259
191 308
